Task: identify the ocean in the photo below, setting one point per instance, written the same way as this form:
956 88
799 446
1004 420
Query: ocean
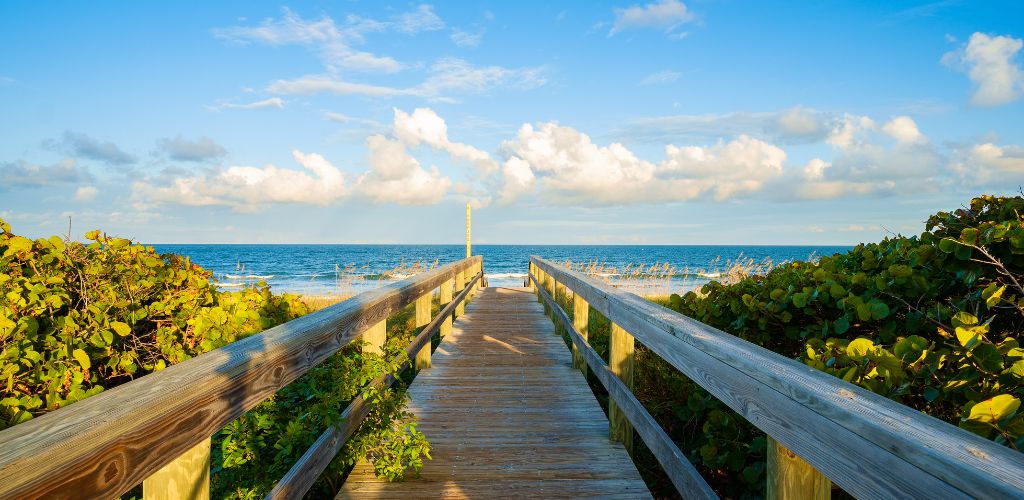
325 270
345 269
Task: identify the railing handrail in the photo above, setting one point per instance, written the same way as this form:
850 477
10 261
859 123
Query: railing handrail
869 445
300 478
105 445
681 472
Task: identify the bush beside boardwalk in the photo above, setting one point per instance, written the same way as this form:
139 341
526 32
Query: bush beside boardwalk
76 319
932 321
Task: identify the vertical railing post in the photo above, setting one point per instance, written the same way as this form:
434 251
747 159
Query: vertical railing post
422 318
375 337
445 298
789 477
621 346
460 284
581 320
188 477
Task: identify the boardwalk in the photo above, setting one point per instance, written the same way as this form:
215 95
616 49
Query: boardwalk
507 416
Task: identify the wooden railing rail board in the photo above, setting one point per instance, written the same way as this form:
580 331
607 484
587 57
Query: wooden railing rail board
307 469
680 471
869 445
105 445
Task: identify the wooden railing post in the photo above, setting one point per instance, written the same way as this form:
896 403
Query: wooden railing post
581 320
187 477
460 284
422 318
790 478
621 347
446 297
375 337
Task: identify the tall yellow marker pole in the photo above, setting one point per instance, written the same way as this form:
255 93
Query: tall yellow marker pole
469 251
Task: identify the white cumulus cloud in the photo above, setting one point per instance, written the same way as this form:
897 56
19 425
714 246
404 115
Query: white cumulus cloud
396 177
990 63
423 125
904 130
247 188
566 163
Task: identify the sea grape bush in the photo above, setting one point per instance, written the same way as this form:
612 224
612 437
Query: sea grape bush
77 318
932 321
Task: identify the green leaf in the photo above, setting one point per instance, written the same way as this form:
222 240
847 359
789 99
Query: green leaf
842 325
948 245
82 358
909 349
122 329
995 297
931 394
995 409
964 319
968 337
988 357
860 348
879 310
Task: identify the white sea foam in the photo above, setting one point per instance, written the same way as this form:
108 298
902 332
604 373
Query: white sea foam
506 275
248 276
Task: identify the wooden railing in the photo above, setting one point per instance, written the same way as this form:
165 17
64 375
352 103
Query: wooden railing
870 446
156 430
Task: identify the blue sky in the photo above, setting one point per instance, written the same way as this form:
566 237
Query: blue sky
666 122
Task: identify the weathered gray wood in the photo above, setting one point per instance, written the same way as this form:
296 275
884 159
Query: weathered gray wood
790 478
105 445
870 446
506 416
187 477
684 476
303 474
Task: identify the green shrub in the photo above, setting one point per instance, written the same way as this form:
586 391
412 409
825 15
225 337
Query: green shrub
77 318
931 321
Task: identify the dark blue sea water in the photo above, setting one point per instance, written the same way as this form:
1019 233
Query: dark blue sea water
347 269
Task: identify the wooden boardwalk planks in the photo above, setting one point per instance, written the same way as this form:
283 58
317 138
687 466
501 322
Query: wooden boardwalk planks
507 415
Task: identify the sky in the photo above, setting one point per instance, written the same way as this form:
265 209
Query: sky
663 122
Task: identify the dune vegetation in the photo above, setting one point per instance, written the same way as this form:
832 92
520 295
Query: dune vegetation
79 318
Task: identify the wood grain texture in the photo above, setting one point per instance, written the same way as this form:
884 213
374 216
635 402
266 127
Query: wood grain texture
104 445
187 477
621 355
445 298
870 446
790 478
304 473
581 321
375 337
422 318
684 476
507 415
460 284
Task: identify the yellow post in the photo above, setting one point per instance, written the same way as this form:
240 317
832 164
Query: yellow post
374 338
188 476
422 318
469 226
446 297
581 320
621 347
460 284
789 477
